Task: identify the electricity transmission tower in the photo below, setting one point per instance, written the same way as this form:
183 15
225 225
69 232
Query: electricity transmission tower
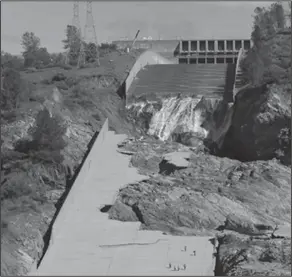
75 34
89 51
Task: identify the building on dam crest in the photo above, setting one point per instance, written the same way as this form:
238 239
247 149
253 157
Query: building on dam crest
200 51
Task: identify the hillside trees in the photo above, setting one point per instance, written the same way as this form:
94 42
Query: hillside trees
73 43
268 59
30 44
47 138
14 90
11 61
33 54
57 58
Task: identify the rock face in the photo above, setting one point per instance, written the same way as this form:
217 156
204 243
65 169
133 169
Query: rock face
260 128
209 194
198 197
245 226
241 256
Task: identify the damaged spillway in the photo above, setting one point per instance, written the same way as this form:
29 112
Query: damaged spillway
182 103
85 241
183 119
177 113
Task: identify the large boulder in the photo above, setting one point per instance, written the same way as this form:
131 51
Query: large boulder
260 126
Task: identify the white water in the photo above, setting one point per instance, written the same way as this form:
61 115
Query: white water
140 107
176 112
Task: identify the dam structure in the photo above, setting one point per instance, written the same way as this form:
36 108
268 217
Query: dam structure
83 239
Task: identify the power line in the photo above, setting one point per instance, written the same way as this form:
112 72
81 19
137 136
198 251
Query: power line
90 51
74 34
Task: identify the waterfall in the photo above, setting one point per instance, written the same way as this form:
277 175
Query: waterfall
180 118
176 112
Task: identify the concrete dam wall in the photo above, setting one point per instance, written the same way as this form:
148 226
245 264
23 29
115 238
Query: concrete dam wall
147 58
154 73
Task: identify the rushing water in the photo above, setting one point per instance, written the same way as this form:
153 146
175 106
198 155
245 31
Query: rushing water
177 115
176 112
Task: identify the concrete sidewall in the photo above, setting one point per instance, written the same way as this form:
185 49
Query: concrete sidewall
237 69
80 180
147 58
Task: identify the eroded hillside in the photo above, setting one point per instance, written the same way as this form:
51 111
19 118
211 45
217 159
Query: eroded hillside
44 140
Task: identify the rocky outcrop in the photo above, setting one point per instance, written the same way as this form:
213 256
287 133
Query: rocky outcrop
260 128
198 198
240 255
245 226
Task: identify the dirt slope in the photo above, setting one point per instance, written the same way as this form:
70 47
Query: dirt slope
31 191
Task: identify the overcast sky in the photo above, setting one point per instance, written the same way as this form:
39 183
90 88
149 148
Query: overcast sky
114 20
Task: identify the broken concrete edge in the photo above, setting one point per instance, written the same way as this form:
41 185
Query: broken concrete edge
282 231
179 158
183 155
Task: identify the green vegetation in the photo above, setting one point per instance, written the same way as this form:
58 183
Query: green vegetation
49 110
47 138
33 146
74 42
269 60
34 55
15 90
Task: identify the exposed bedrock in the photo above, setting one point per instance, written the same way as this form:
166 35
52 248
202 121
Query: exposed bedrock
208 193
255 127
260 128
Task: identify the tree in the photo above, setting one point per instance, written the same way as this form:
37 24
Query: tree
11 61
91 52
262 62
72 43
47 141
278 14
31 44
57 58
15 89
48 131
42 56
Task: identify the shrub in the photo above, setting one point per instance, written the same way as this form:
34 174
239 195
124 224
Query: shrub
82 90
71 81
47 138
59 77
229 263
48 131
11 61
15 90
